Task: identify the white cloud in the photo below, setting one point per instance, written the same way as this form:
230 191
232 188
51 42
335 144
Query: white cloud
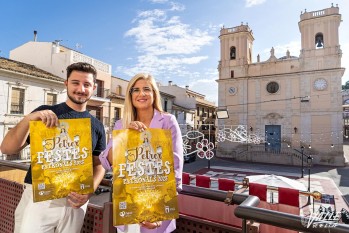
207 85
167 47
158 1
250 3
177 6
280 50
156 35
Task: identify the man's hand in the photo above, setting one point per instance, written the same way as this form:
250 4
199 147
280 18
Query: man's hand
15 139
77 200
48 117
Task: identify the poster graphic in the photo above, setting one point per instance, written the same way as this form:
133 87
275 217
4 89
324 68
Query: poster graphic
61 158
144 187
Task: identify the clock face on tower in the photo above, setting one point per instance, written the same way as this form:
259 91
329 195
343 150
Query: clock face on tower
232 90
320 84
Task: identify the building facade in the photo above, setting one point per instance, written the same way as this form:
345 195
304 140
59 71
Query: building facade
292 103
193 113
24 88
54 58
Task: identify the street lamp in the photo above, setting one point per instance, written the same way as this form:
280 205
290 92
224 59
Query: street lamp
302 149
309 161
220 114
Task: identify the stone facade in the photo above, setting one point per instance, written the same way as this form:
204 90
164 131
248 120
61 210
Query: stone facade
291 102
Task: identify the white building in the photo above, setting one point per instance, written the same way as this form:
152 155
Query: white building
54 58
23 88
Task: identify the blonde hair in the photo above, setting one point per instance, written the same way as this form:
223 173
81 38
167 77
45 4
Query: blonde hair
130 112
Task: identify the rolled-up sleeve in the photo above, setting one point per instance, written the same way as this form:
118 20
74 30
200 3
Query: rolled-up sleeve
103 157
177 144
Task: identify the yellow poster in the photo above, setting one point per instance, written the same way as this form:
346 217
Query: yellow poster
144 187
61 158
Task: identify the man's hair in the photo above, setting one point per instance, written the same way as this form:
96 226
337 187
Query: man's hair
84 67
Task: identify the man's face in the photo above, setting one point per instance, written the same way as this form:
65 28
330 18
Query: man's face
80 87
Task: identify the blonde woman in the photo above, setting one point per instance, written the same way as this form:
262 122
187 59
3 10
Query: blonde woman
143 110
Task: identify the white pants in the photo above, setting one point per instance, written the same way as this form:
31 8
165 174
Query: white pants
53 216
130 228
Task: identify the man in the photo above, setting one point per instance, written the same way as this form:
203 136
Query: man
65 215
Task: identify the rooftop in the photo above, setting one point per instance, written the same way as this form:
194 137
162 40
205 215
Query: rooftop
23 68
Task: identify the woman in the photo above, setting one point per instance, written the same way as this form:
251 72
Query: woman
143 110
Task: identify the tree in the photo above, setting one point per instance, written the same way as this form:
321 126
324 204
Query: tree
345 86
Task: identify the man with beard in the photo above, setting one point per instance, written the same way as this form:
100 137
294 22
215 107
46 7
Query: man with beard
65 215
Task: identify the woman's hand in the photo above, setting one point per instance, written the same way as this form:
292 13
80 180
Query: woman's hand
77 200
137 125
151 225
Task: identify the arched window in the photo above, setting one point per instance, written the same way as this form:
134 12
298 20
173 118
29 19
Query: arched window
232 53
319 40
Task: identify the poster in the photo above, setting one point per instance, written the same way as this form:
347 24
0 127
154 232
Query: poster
61 158
144 186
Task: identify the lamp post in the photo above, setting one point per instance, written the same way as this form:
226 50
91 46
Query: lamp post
302 149
220 114
309 161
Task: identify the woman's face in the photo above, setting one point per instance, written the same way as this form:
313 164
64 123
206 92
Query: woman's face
142 95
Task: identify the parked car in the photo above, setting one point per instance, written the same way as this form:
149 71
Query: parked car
189 157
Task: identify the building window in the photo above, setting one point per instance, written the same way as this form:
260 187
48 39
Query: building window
99 92
51 99
118 90
232 53
232 74
116 115
165 105
17 101
95 111
198 111
272 87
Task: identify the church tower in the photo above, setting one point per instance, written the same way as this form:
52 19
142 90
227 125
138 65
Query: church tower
236 50
320 38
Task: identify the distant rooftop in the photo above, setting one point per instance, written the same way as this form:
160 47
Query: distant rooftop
24 68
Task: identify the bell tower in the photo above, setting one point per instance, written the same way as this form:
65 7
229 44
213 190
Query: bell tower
236 50
319 33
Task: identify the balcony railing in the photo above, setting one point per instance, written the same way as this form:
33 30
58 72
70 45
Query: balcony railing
101 92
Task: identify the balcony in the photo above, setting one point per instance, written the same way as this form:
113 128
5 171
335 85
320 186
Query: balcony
100 96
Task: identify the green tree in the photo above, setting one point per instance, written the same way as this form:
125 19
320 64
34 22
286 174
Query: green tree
345 86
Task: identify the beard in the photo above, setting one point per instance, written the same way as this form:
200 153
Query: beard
81 100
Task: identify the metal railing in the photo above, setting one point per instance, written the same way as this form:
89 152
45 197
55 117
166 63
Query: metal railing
247 210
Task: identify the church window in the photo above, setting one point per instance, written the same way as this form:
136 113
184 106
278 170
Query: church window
272 87
319 40
232 53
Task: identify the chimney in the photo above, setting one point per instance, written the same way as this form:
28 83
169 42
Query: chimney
170 83
35 34
187 87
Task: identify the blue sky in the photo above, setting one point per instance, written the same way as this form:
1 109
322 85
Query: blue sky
173 40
